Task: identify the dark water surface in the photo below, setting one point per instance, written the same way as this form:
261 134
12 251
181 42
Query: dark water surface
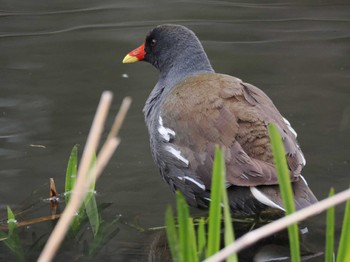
56 57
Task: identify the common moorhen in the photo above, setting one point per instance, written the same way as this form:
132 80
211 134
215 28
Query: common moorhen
191 109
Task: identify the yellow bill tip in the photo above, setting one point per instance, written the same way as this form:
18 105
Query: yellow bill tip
130 59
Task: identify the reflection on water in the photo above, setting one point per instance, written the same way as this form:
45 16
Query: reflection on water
56 58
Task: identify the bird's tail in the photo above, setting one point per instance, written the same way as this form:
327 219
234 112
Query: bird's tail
271 196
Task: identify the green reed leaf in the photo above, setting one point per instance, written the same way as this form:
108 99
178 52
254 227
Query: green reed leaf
228 233
183 217
71 173
201 239
192 243
215 206
344 243
172 235
329 254
285 187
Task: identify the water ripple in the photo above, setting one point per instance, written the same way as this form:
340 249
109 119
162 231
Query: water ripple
5 13
143 24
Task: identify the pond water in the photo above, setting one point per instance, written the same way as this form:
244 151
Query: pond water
57 57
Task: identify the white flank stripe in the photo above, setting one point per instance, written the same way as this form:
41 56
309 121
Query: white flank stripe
291 129
272 259
164 131
177 154
200 185
302 178
264 199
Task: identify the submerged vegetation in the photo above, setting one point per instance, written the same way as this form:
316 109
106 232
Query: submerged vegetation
81 214
87 233
11 239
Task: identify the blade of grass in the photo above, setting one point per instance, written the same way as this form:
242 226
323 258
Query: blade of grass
192 241
93 214
282 171
330 231
78 220
93 180
183 217
172 234
344 243
89 208
13 241
71 173
11 221
215 207
201 239
228 233
90 203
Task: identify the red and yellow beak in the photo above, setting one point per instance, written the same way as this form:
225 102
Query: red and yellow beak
135 55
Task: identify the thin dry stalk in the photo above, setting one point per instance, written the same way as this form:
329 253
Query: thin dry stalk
260 233
119 119
93 138
102 160
33 221
106 153
84 180
112 141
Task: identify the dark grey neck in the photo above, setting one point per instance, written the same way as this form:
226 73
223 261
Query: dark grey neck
184 65
172 73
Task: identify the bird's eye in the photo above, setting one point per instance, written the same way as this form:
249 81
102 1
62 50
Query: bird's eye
153 42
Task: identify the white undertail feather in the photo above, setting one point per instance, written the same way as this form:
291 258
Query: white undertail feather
261 197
